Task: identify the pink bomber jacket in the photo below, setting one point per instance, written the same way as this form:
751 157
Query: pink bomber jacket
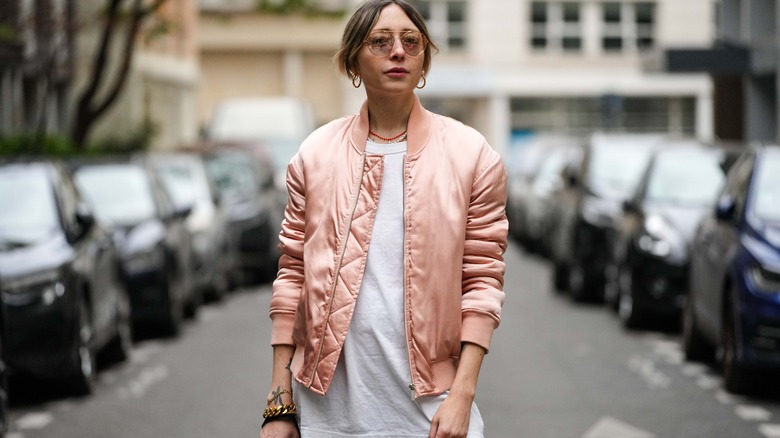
455 235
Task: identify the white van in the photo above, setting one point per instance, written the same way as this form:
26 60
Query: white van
279 123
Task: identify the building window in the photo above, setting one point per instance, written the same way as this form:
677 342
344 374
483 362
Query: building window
556 26
446 21
627 26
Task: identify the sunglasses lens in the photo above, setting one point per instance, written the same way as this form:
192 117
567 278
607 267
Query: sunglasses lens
381 43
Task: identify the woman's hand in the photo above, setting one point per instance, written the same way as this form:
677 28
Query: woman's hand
279 429
452 417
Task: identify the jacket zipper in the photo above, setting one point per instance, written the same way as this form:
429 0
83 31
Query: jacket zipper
341 260
412 388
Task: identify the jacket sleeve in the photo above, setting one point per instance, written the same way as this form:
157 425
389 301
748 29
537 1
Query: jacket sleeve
289 280
483 255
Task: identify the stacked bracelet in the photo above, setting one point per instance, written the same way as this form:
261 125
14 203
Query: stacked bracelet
276 411
281 412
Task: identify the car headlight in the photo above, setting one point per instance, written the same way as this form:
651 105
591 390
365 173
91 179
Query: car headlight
765 277
658 238
595 212
47 285
144 261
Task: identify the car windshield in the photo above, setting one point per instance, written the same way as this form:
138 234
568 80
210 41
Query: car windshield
233 174
615 170
119 194
182 182
686 178
767 191
28 206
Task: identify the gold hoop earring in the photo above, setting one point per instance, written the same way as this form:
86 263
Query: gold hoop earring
420 87
359 81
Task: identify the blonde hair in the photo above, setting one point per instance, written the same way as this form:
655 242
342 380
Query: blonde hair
360 24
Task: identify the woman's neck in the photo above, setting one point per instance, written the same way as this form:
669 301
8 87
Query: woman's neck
388 117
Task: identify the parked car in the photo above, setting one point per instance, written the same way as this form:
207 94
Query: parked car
62 300
523 163
155 247
538 220
276 124
589 207
3 374
647 275
254 205
734 298
186 180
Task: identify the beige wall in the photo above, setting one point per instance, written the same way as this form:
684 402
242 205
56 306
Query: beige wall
250 54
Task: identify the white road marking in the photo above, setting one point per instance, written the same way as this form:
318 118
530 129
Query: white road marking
724 397
145 380
669 350
752 413
608 427
34 420
143 353
694 369
708 382
768 430
647 370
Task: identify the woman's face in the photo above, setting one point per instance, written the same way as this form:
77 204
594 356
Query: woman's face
397 71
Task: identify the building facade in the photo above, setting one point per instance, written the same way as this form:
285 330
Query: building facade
505 66
744 65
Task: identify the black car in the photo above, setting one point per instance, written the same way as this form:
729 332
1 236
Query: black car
733 303
538 213
254 207
154 245
3 376
523 165
62 300
589 207
187 182
647 276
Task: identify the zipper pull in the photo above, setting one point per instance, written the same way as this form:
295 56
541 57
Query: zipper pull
411 390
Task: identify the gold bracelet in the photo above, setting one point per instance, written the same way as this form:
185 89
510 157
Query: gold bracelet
279 395
276 411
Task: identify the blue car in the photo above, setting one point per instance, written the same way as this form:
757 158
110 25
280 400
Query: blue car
734 300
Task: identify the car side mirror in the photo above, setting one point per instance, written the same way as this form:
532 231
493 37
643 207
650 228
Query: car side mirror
630 206
571 177
84 219
725 208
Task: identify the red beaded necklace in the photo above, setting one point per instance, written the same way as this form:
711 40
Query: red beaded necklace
387 139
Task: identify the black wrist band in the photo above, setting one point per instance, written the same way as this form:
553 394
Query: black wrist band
285 417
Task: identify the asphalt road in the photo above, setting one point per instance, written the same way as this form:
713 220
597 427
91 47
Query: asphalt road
556 369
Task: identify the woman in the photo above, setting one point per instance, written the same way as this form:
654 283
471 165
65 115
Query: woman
391 275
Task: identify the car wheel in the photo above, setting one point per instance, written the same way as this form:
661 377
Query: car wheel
174 311
629 311
3 395
735 377
560 277
120 347
612 286
576 280
81 380
695 346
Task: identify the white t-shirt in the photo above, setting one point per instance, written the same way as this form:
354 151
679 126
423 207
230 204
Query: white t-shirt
369 395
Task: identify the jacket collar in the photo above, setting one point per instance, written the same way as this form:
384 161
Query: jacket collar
417 137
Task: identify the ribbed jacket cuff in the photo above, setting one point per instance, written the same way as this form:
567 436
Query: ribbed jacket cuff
478 329
282 329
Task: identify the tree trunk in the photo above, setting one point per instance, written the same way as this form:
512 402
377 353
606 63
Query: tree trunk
89 109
